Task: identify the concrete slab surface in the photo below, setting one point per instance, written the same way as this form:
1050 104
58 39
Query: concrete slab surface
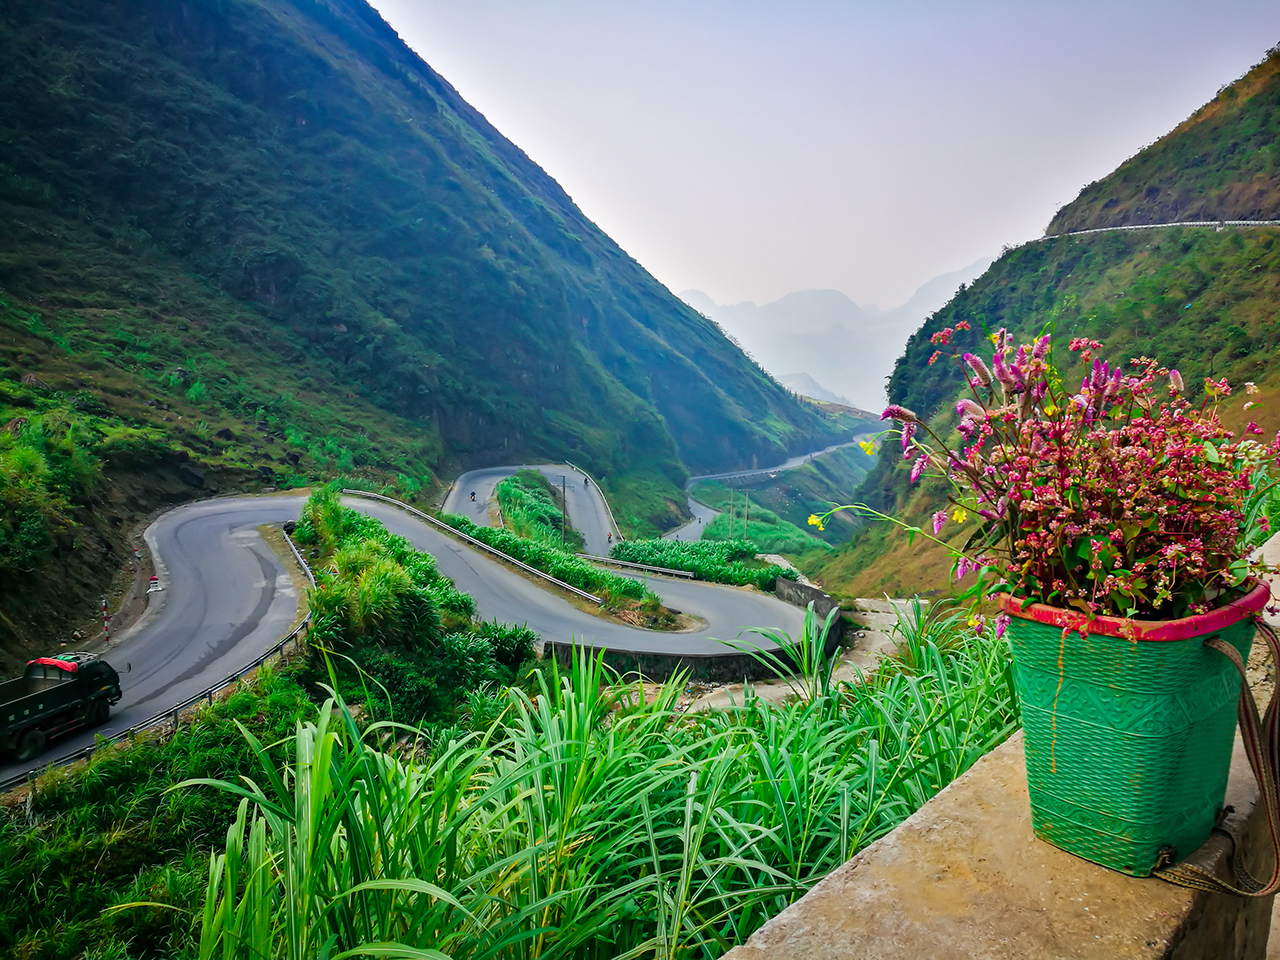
965 878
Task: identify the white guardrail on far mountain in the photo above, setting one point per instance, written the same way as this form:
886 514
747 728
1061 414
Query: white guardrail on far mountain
170 715
1215 224
479 544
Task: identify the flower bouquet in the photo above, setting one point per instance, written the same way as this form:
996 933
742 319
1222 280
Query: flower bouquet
1116 521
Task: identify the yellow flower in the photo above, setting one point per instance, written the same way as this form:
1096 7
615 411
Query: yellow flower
959 515
816 521
868 447
1050 410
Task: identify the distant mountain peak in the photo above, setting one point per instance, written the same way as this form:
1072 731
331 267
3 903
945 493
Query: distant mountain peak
806 386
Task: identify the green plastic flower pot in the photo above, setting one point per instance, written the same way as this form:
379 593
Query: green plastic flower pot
1129 727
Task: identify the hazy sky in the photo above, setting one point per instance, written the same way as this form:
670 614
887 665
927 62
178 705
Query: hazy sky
750 149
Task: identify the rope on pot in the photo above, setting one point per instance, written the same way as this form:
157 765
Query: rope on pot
1261 738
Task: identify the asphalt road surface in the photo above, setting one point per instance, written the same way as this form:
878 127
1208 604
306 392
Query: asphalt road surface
585 504
227 599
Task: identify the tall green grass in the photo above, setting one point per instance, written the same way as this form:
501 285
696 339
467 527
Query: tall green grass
589 824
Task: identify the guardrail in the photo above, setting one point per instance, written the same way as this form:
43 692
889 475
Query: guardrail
297 555
636 566
1203 224
171 713
480 544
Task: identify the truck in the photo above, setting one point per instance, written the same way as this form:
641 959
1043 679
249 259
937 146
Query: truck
55 695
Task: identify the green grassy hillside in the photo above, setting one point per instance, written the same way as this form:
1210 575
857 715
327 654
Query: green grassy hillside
295 156
270 218
1204 301
1222 163
798 493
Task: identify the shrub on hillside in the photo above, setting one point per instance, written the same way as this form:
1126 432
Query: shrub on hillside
559 564
717 561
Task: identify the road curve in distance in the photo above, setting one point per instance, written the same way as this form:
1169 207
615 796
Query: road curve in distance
585 503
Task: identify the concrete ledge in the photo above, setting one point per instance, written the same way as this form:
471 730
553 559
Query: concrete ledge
964 877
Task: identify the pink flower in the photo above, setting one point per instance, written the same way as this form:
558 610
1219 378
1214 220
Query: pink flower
979 368
1002 624
917 468
968 408
1175 381
900 413
939 519
908 431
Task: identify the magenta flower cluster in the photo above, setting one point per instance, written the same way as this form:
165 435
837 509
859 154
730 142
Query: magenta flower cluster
1120 497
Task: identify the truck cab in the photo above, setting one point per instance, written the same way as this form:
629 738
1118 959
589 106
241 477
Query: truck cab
55 695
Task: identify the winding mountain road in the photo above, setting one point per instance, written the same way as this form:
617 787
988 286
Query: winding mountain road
702 514
586 509
227 599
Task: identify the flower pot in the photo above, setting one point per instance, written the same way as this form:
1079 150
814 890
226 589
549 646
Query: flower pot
1129 727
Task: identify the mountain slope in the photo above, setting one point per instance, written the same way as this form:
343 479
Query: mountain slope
249 243
1202 300
297 157
1221 163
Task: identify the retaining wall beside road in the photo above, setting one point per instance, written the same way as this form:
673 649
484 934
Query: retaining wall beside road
801 595
732 667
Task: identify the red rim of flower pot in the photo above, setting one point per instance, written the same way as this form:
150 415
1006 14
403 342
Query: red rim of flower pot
1186 628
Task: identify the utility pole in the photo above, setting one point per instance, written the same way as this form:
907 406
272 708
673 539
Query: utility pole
564 508
731 512
746 511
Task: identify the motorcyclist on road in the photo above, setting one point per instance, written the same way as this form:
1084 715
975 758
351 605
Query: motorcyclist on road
473 496
611 536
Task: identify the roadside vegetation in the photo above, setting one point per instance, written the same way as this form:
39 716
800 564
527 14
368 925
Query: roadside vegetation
717 561
591 822
610 587
807 489
398 631
48 465
531 508
401 642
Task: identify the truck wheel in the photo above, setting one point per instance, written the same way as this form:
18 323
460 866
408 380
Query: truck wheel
100 712
31 745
